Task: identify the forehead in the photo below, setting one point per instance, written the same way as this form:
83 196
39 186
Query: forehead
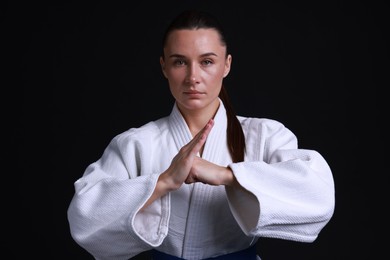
199 40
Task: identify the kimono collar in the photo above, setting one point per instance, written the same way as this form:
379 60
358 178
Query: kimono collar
216 143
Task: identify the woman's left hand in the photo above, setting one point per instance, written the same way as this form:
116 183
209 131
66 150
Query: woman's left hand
209 173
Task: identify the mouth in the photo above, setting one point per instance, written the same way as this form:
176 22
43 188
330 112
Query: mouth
193 92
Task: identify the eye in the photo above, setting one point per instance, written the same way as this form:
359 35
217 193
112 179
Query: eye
207 62
179 62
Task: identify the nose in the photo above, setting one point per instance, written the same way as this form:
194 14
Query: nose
192 76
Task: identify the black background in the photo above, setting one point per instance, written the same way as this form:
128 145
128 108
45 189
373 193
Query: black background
82 72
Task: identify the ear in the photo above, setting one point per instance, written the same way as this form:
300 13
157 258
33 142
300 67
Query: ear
162 64
228 63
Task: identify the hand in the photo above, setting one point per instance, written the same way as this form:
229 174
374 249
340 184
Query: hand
209 173
182 163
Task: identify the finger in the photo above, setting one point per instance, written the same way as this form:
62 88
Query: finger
202 135
189 180
198 141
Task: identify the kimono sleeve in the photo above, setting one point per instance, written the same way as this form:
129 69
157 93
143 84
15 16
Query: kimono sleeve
104 213
284 192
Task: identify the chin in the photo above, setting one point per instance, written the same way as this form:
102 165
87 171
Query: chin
192 104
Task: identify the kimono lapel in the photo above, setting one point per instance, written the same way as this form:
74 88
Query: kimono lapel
180 132
215 146
197 200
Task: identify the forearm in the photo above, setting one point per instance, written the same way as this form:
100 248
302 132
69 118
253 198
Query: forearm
229 179
163 186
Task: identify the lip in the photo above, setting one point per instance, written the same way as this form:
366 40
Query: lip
193 92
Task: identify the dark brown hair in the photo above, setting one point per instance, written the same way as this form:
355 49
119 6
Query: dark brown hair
194 19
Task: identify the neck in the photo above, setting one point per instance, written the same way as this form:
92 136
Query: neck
197 119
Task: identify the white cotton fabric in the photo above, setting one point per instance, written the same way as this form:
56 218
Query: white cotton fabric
288 193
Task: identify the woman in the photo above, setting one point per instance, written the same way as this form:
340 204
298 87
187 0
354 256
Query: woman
201 182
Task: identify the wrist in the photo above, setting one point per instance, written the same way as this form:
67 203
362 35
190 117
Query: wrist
166 183
229 179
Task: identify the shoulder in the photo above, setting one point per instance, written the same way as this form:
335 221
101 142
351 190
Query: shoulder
267 133
250 123
265 128
143 134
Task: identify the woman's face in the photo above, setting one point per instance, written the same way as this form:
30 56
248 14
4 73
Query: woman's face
195 64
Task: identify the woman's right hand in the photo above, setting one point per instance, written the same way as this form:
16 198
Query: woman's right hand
182 163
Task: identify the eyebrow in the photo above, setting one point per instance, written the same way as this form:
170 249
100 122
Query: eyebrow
207 54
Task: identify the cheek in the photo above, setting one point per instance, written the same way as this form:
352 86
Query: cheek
215 74
175 75
175 79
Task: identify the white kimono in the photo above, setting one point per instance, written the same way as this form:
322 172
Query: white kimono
289 193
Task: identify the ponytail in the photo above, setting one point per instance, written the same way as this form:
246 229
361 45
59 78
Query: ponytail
235 134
